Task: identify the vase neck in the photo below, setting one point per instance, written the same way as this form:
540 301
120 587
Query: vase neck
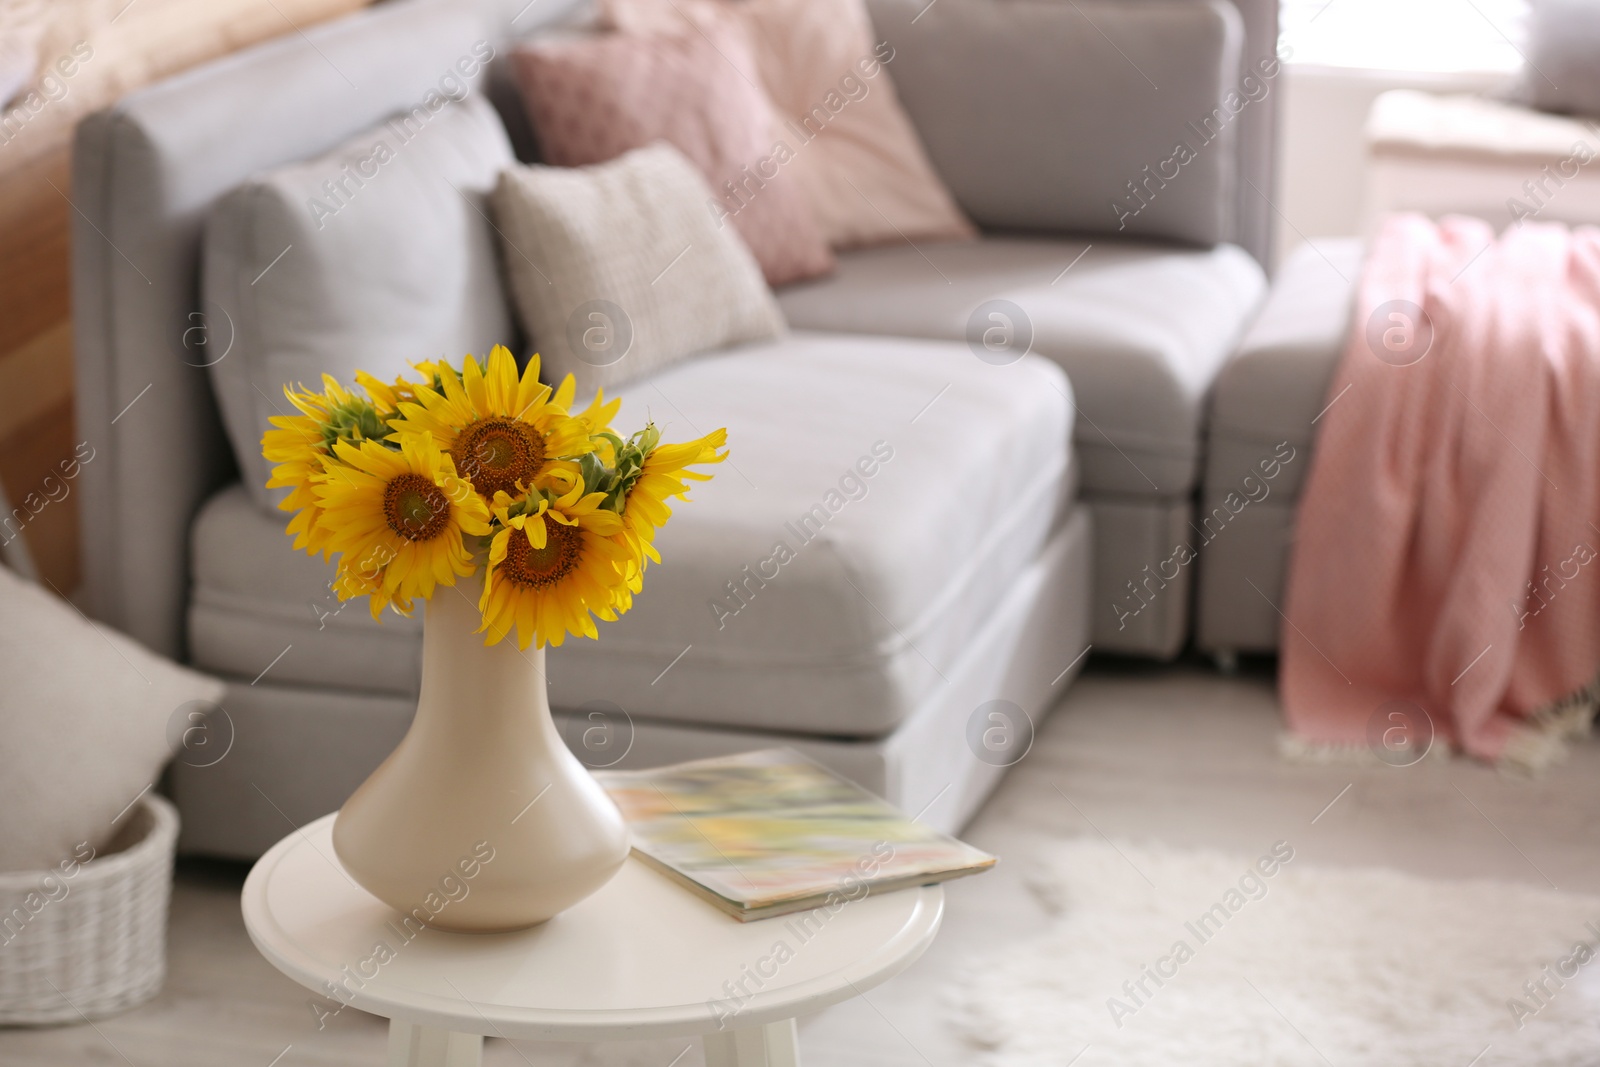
465 681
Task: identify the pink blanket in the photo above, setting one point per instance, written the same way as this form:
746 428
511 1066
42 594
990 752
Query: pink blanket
1446 546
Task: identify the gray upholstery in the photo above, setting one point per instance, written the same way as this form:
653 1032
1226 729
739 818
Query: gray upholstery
298 752
1268 397
1257 132
242 616
145 173
847 637
396 260
1045 116
1230 615
1136 611
1140 329
1274 386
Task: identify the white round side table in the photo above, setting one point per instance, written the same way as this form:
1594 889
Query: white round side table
642 958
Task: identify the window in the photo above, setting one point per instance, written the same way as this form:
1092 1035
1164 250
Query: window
1412 35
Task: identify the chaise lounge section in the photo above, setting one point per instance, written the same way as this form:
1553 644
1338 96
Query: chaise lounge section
1114 262
1265 411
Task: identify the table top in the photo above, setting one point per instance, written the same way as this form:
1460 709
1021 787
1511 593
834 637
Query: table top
641 958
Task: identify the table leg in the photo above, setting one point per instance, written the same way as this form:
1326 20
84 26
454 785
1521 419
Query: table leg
411 1045
773 1045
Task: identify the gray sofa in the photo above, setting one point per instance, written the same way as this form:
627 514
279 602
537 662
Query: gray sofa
916 613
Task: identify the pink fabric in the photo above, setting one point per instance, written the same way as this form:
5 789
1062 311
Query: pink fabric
595 98
1445 548
860 160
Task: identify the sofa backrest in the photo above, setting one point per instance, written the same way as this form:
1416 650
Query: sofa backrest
145 174
1257 142
1044 115
969 73
1089 116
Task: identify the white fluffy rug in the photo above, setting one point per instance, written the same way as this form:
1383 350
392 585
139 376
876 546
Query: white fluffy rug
1311 967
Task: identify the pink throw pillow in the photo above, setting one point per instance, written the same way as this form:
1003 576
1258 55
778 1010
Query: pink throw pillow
867 175
592 99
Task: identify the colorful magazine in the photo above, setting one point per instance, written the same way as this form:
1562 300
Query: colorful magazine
771 832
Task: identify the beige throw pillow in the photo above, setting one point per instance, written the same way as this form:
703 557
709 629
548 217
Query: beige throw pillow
88 718
618 270
841 125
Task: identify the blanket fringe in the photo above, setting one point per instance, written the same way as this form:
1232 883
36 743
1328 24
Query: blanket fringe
1544 738
1540 741
1344 753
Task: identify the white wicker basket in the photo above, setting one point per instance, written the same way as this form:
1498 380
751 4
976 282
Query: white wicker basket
94 943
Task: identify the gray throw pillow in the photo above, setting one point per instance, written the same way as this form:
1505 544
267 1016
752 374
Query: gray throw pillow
620 270
1562 71
376 255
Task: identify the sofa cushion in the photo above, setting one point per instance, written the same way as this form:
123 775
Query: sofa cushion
1276 387
280 611
843 132
619 271
90 717
1140 330
1097 116
373 255
594 97
881 496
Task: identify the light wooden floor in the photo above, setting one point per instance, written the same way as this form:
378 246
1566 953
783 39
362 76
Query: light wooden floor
1177 755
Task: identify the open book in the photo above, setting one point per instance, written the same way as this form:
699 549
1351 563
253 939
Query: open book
768 833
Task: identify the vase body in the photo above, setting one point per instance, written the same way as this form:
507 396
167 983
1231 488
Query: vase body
481 819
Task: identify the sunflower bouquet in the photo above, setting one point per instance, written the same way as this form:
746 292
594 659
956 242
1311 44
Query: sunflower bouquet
416 483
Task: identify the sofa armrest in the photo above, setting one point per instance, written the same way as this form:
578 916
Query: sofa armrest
145 174
1098 116
1276 384
1275 388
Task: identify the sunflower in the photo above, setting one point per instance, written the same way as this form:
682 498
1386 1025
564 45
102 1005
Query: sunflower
364 576
388 396
662 475
297 448
397 519
394 477
501 430
553 564
597 417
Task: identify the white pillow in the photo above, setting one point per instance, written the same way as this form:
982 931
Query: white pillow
88 718
387 258
620 270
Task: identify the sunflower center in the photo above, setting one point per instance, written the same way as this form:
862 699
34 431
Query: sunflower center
496 453
541 568
415 508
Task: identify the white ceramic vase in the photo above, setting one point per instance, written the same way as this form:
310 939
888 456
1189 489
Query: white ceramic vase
482 819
